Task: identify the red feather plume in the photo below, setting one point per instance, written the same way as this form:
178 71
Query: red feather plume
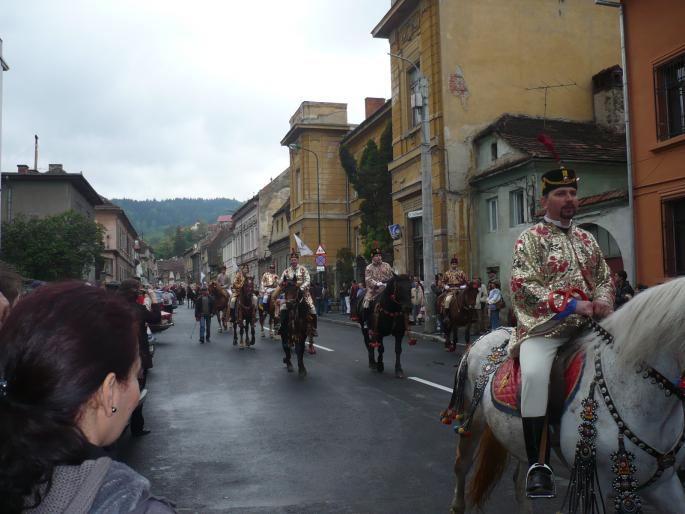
547 141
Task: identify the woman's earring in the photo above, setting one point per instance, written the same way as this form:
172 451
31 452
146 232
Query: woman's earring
114 409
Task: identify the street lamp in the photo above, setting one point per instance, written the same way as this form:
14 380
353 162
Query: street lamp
296 147
426 193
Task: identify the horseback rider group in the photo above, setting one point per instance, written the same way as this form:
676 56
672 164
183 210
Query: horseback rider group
238 280
553 257
268 284
299 274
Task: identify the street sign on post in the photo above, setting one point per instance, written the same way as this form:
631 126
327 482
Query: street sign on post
320 250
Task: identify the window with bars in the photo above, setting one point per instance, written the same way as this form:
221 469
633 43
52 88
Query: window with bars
669 81
413 91
673 212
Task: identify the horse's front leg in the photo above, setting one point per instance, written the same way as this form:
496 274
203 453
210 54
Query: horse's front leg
381 349
399 372
299 349
252 331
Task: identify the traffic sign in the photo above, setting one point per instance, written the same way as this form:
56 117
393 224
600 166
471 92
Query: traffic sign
320 268
320 260
320 250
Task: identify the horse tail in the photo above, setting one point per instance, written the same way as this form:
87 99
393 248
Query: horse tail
492 461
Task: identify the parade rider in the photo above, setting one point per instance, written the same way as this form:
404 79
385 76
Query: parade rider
268 284
553 255
222 278
376 276
300 275
454 278
238 281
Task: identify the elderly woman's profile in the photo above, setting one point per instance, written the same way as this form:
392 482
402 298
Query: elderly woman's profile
69 364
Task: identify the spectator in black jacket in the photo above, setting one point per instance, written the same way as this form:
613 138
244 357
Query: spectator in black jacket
130 289
204 310
624 290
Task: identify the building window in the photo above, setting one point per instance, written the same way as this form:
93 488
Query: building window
674 237
298 185
493 151
517 209
413 94
493 212
669 79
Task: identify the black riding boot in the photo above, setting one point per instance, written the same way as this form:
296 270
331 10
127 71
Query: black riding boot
540 477
284 322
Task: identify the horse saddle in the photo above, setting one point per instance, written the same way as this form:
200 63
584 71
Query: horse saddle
564 382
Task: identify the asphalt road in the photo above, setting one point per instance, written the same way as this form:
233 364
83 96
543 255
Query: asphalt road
233 432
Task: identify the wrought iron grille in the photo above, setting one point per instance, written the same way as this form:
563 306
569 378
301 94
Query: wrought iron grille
669 83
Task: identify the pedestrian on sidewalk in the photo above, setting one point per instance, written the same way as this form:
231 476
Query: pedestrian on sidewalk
418 298
204 310
343 298
481 306
130 289
494 299
70 359
352 299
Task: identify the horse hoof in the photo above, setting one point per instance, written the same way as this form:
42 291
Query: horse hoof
311 350
372 364
302 371
235 342
399 373
380 367
452 348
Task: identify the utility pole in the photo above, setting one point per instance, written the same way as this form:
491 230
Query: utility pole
421 103
35 154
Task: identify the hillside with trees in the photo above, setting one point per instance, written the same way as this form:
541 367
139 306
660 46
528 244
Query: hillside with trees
165 224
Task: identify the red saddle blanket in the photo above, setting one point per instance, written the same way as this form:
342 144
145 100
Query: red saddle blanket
506 384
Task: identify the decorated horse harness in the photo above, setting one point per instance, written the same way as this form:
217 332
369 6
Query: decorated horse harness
581 492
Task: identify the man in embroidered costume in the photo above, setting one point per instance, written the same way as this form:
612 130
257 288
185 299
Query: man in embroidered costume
300 274
376 275
222 278
454 279
552 255
268 284
238 281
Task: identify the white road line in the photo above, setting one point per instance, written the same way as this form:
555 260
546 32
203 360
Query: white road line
432 384
324 348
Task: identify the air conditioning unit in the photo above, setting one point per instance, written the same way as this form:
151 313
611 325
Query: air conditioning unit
416 101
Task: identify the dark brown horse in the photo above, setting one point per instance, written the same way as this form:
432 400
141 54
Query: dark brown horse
220 305
269 309
294 325
244 314
460 313
388 315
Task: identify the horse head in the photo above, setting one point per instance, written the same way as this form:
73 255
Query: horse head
398 291
290 290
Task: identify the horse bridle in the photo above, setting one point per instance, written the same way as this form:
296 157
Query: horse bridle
664 460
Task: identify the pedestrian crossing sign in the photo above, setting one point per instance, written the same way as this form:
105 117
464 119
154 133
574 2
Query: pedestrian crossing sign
320 250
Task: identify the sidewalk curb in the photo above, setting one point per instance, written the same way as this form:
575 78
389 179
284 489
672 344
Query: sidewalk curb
417 335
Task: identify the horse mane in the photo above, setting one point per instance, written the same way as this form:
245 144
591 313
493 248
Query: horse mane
651 322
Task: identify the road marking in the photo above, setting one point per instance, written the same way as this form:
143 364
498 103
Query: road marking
432 384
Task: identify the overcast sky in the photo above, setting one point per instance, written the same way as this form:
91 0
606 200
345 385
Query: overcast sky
166 98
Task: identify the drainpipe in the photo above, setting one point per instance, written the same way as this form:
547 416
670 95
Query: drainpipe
632 276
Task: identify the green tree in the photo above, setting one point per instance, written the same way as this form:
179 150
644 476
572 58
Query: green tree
179 241
345 260
57 247
372 181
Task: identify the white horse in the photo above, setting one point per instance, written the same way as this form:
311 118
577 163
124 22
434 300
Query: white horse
650 329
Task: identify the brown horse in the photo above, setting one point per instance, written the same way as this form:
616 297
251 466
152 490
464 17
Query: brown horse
294 325
244 314
269 309
220 305
460 313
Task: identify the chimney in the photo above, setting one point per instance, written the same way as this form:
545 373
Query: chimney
22 169
607 99
372 105
55 168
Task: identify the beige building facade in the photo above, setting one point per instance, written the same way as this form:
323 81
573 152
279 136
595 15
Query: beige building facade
119 255
475 74
319 189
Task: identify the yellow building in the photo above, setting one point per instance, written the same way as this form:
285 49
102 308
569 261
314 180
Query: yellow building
319 191
482 59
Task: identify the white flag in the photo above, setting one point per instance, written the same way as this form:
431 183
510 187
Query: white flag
202 278
301 247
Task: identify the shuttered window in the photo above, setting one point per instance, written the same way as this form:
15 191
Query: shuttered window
669 83
673 212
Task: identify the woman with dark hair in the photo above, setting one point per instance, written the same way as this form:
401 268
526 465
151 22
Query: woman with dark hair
68 384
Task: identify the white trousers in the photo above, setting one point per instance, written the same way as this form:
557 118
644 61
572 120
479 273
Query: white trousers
536 358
